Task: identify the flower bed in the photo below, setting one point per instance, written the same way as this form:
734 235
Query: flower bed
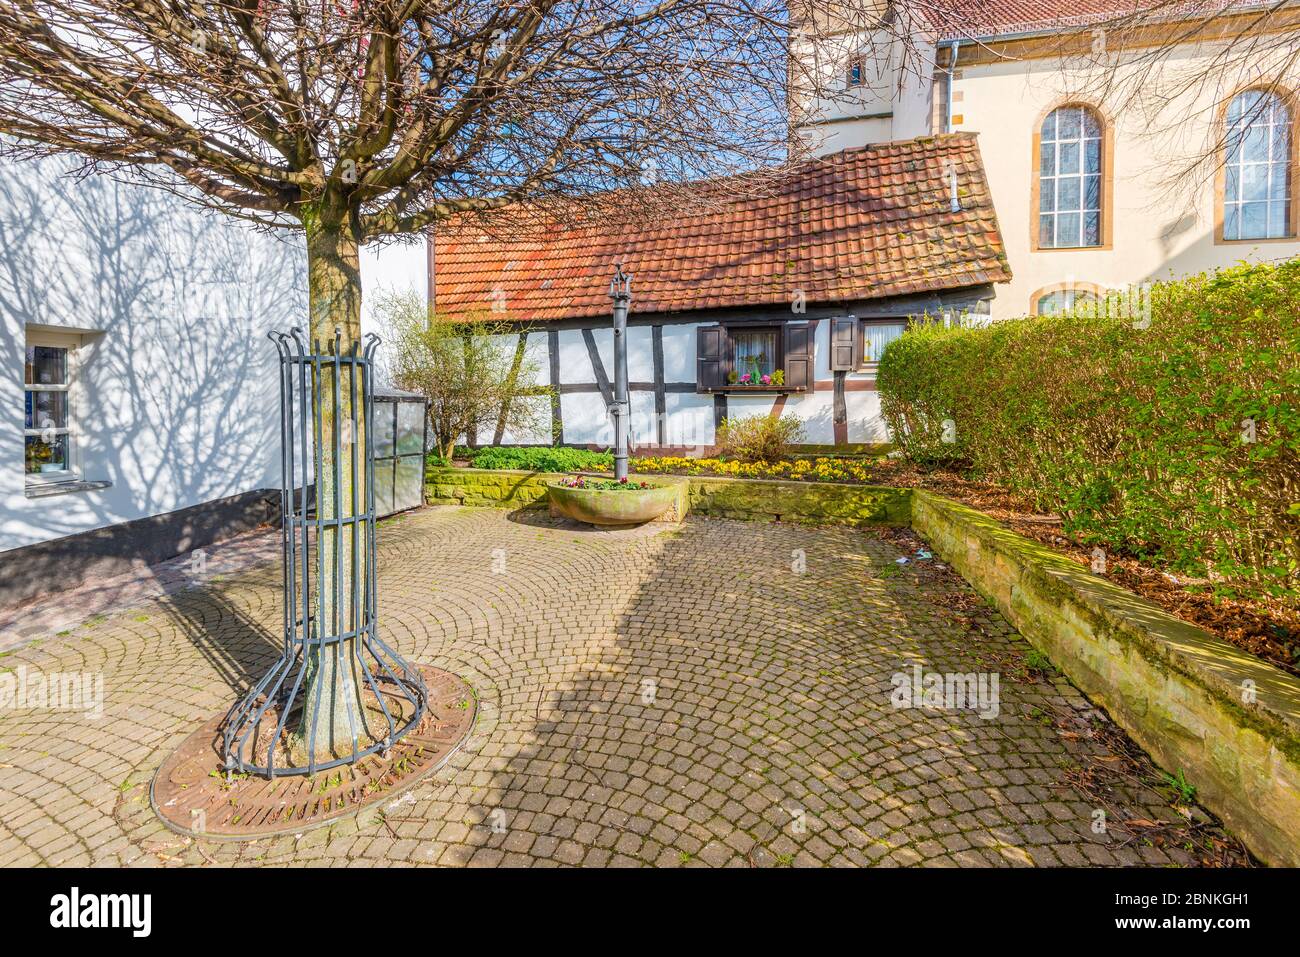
539 458
820 469
603 485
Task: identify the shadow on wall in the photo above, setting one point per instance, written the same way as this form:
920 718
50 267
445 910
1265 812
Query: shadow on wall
1203 253
178 395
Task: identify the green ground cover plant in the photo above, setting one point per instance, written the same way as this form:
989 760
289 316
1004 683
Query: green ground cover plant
540 459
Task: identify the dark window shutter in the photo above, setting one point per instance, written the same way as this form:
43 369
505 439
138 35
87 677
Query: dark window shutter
798 355
710 347
844 344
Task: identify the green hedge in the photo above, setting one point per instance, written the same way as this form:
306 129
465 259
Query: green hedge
1134 426
541 459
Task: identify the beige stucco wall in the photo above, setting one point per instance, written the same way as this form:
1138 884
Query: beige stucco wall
1162 226
1162 210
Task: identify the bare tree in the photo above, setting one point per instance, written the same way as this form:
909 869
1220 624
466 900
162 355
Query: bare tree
355 120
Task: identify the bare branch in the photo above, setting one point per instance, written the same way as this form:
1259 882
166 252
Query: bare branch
382 116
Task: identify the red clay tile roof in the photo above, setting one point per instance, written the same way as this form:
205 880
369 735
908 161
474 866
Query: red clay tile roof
984 19
863 223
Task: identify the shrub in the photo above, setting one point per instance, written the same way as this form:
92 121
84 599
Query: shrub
759 438
473 373
541 459
1174 436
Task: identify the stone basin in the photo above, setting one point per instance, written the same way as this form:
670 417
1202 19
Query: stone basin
665 499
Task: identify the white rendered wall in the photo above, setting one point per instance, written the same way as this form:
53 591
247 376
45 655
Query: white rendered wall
395 265
892 103
178 397
688 416
535 371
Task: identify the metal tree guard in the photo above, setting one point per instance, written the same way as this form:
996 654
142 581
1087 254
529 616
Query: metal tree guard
388 692
620 290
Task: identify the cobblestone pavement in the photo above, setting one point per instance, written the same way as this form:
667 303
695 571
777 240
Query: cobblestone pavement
47 616
716 693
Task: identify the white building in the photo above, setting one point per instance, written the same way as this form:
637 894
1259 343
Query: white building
137 379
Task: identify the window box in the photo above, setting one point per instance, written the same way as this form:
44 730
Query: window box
756 389
740 347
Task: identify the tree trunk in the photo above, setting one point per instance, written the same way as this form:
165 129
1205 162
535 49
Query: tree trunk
332 689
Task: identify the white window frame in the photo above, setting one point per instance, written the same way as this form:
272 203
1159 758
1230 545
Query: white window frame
1270 113
72 343
1050 200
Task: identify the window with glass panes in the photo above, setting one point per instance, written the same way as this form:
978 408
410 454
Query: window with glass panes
754 352
1069 179
877 335
1063 300
47 424
1257 170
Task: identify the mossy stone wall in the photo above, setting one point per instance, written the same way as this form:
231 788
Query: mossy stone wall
806 502
1229 721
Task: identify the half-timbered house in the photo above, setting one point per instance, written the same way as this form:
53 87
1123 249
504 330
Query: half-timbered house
767 304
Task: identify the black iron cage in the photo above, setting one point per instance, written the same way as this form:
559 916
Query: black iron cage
337 693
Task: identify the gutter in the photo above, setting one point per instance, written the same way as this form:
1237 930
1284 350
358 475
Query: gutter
844 119
1056 27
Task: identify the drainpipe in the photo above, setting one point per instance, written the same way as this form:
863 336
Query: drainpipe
431 263
953 47
620 290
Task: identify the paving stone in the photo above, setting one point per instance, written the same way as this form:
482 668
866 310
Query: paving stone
771 699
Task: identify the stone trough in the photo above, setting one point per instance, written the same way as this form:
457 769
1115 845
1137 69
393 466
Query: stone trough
665 500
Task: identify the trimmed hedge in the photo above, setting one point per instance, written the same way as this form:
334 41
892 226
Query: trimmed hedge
541 459
1174 436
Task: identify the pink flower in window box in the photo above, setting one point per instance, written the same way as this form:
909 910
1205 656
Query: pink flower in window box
766 380
746 378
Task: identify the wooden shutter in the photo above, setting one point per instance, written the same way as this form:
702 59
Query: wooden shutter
844 344
797 337
710 355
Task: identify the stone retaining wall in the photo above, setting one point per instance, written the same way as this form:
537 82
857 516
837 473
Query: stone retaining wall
492 487
1229 721
815 503
818 503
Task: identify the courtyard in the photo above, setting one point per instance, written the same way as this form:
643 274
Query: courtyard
715 693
